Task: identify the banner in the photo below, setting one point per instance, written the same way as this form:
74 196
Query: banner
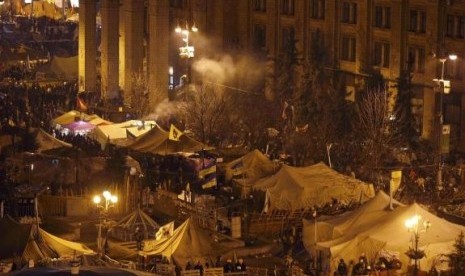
174 134
165 231
396 179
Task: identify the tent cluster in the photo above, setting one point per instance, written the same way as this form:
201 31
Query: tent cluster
138 135
377 231
293 188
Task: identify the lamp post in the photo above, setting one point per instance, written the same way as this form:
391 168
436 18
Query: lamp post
186 51
413 226
109 201
443 88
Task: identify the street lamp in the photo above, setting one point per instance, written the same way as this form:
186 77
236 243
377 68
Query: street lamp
443 88
413 226
104 205
186 51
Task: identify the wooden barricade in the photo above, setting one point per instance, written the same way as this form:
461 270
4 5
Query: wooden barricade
257 271
190 272
215 271
165 269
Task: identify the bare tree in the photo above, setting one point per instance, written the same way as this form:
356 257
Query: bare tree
206 113
374 127
138 98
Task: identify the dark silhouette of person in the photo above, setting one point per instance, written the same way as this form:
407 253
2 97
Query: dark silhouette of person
342 268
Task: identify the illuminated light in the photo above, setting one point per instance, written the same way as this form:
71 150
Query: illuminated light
178 29
114 199
97 199
170 70
107 195
194 28
452 56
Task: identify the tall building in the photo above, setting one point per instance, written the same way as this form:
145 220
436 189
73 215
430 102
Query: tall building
360 36
386 36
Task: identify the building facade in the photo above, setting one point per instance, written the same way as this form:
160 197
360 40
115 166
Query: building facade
360 36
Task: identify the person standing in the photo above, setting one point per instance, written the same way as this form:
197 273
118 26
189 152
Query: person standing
342 268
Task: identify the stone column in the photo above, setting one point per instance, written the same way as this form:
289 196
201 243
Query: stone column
131 46
157 56
87 46
109 47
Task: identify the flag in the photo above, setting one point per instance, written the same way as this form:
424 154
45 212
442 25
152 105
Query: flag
80 105
165 231
203 173
209 184
175 133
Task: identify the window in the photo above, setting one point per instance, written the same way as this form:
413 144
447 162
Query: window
455 26
416 58
417 21
259 5
317 9
382 17
348 48
381 54
287 7
259 37
179 4
287 38
349 12
453 69
317 45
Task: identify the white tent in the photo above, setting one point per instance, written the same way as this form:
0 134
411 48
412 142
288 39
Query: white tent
293 188
375 229
120 133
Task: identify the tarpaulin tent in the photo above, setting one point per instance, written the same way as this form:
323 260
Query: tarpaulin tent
120 133
74 116
69 117
294 188
156 141
126 227
375 229
48 143
188 243
250 167
23 240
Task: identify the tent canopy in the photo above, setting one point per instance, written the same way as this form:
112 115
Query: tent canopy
294 188
47 142
119 133
156 141
188 243
138 218
250 167
374 229
74 116
23 240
